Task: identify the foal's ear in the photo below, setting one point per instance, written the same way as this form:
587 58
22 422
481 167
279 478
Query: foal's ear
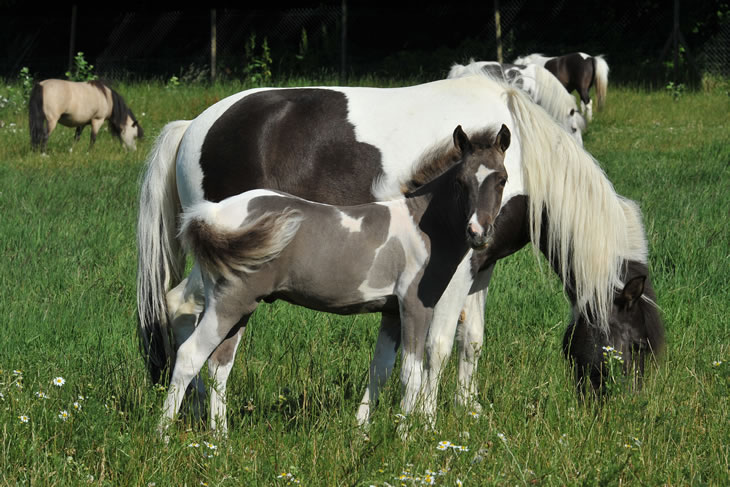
461 141
633 290
503 138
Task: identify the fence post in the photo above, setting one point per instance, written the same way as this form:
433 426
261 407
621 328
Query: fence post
343 44
213 44
72 40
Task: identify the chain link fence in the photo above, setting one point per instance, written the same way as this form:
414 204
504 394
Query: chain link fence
400 42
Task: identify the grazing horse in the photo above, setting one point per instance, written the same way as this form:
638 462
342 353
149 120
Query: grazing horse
577 71
78 104
538 83
352 145
590 352
397 257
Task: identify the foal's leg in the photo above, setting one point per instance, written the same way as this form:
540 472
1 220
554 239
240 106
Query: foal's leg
470 340
414 319
185 303
441 332
381 364
219 368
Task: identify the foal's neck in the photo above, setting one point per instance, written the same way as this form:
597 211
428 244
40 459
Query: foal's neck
439 207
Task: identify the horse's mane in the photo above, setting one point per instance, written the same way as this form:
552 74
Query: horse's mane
553 96
550 93
440 157
120 110
592 231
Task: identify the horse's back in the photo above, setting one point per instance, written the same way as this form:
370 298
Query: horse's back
326 144
74 103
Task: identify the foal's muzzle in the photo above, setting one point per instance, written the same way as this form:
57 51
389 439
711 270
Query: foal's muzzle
478 237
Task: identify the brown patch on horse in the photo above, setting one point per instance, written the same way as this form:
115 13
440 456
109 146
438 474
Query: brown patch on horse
440 158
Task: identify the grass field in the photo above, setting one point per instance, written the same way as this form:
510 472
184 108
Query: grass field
67 310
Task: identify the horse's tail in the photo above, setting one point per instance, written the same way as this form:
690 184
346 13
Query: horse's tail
600 68
160 259
229 251
37 117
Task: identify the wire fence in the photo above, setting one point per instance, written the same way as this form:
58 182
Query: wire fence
390 42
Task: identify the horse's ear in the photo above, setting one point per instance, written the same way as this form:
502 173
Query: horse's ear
633 290
461 141
503 138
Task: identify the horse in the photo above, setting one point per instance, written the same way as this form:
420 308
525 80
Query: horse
337 145
397 257
590 353
78 104
538 83
577 71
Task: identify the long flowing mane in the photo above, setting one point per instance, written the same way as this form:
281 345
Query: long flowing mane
591 230
553 97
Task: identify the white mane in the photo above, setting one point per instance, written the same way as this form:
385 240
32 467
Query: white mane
592 230
548 93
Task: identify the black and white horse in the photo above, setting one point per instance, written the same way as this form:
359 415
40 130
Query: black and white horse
538 83
409 258
351 145
577 71
78 104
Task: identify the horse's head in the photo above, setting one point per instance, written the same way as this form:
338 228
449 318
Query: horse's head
130 131
635 333
483 176
575 124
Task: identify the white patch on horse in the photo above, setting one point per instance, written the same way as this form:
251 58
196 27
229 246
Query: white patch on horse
354 225
482 173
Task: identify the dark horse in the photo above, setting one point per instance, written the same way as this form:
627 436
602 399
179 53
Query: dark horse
353 145
78 104
577 71
397 257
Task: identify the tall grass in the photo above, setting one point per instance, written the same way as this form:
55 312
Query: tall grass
67 309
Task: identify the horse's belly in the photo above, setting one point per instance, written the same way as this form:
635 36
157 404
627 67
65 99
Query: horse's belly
71 120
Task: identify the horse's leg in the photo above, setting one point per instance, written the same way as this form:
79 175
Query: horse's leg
192 355
52 122
441 334
470 340
185 303
96 124
79 129
220 365
414 318
381 364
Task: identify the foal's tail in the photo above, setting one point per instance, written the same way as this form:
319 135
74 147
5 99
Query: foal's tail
600 68
232 251
160 259
37 118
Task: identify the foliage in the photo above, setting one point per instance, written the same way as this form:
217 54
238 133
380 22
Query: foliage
83 70
676 89
258 65
14 97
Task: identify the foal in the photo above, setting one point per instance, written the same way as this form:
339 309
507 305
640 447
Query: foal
408 258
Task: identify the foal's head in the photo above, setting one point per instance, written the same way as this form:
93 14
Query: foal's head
482 176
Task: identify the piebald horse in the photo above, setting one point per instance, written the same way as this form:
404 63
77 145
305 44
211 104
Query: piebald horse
78 104
577 71
352 145
540 85
409 258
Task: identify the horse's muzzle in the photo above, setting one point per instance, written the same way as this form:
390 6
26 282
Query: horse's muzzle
479 238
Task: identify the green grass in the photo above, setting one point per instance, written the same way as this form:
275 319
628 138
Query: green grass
67 308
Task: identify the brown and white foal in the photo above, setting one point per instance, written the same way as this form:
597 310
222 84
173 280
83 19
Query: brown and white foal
407 258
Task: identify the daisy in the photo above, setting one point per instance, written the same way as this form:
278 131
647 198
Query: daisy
63 415
210 445
17 372
717 363
194 445
59 381
77 406
23 418
443 445
41 395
